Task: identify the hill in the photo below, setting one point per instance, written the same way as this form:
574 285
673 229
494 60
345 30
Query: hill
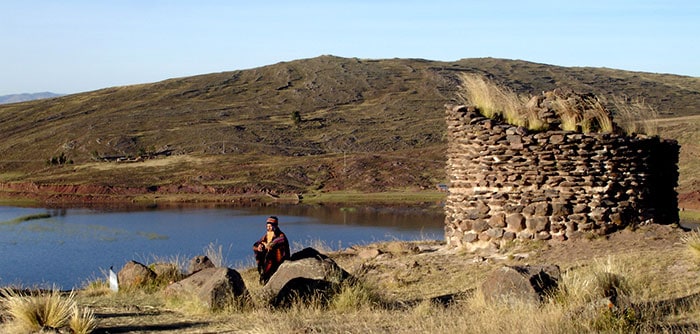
307 126
14 98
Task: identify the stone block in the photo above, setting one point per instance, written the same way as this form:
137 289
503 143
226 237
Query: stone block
470 237
498 220
537 224
515 222
495 233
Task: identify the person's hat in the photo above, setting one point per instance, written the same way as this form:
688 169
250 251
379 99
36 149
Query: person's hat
271 220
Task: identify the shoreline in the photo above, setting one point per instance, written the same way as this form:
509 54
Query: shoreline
30 194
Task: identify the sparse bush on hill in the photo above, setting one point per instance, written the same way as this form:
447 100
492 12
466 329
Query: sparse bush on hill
59 160
296 117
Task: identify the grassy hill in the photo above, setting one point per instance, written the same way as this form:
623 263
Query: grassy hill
307 126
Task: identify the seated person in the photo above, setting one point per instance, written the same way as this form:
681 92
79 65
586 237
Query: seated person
271 250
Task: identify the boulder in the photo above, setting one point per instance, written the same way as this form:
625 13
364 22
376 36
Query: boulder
521 283
134 275
200 262
308 273
213 287
369 253
166 272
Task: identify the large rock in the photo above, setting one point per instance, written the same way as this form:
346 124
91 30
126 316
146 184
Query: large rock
166 272
214 287
521 283
135 275
200 262
307 273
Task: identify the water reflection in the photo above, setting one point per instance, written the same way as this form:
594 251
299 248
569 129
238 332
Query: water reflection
73 245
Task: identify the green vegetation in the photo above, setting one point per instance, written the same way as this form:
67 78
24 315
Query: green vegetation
22 219
59 160
397 197
689 215
153 236
296 117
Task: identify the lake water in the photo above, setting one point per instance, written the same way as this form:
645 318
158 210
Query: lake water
73 246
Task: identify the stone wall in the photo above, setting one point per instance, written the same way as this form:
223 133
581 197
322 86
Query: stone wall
508 183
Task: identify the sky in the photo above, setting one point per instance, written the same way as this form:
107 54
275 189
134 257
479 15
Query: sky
73 46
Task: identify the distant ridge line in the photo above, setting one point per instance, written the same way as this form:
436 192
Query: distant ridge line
23 97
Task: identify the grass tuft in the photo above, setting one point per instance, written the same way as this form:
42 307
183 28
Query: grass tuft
692 242
635 116
36 311
482 94
353 296
601 279
82 321
215 253
497 102
599 120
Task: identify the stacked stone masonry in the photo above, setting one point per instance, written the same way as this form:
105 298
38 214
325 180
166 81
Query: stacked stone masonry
508 183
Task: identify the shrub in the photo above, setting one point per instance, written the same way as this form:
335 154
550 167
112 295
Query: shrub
296 117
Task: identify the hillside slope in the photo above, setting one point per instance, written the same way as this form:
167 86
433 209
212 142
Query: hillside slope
362 125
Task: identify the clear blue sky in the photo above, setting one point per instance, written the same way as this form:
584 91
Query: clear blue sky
72 46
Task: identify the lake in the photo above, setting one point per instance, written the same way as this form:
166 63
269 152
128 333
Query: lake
68 247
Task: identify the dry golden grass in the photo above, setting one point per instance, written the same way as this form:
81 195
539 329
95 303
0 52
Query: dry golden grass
636 116
595 282
38 311
215 253
570 116
481 93
692 241
599 121
82 321
495 101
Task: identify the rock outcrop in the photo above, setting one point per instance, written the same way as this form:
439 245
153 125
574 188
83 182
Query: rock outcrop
308 273
215 288
521 283
135 275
